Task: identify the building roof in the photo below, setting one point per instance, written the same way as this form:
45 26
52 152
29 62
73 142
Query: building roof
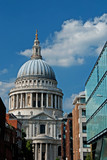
38 68
81 95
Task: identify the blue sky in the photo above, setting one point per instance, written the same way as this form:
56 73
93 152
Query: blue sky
71 33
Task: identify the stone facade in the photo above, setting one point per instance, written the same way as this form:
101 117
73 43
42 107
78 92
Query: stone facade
37 103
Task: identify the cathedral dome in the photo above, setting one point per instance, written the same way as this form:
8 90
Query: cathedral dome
37 68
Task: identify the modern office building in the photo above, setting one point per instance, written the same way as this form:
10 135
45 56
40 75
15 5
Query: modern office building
80 147
37 103
96 107
66 138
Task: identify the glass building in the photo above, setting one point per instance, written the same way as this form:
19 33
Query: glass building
96 107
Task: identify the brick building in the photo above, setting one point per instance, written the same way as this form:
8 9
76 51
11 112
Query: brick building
2 129
13 121
10 143
10 135
8 147
66 138
80 147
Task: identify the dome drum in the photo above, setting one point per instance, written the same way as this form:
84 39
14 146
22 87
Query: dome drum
35 82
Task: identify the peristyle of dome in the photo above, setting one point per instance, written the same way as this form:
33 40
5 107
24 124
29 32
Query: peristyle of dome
37 68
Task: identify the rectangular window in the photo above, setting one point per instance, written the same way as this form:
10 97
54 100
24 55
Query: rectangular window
82 100
42 129
83 112
84 142
84 127
85 145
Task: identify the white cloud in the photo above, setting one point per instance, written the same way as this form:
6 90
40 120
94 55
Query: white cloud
3 71
75 41
4 90
27 52
68 103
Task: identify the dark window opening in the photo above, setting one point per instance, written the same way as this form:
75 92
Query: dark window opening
53 101
44 99
83 112
59 136
59 151
42 129
39 100
85 145
36 50
34 103
84 127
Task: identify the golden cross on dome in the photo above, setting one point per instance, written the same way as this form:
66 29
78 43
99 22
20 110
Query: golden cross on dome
36 34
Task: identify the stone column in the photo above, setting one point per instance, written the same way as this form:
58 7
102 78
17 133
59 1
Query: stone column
27 132
25 99
33 130
40 151
36 100
31 100
47 100
52 130
21 101
46 153
55 101
55 151
52 100
61 104
30 130
13 101
46 128
9 103
37 128
41 99
17 101
36 152
50 152
55 131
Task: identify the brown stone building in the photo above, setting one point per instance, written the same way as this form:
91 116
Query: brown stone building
66 138
80 147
